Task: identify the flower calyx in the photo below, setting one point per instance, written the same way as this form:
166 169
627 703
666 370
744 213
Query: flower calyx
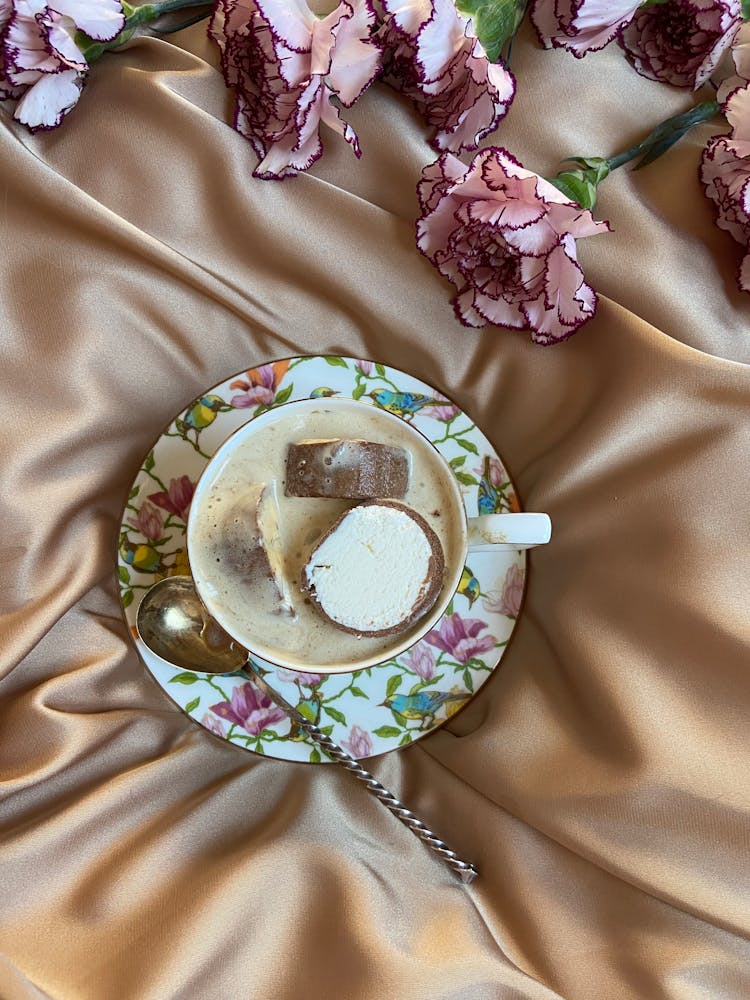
580 185
495 22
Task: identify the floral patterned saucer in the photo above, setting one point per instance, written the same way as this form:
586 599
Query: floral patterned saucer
371 711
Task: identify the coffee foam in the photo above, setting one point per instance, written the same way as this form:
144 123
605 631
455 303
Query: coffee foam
308 640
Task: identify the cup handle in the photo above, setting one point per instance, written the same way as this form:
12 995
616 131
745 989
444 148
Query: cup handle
492 532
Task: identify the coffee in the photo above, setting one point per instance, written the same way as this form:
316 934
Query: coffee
258 616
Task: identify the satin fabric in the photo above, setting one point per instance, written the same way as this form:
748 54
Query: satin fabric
600 779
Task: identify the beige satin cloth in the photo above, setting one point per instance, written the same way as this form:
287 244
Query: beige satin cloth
601 779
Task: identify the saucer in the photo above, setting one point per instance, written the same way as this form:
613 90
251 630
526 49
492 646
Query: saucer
368 712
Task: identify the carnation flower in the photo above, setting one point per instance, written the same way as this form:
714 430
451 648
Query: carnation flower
286 66
681 42
432 55
41 65
506 239
580 26
725 173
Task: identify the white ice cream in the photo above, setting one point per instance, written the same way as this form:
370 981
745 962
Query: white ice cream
370 572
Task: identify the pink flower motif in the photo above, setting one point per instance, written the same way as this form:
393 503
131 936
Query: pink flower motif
421 660
446 410
432 54
214 725
506 239
259 391
509 601
291 676
177 499
286 67
148 521
497 475
41 64
250 709
681 42
359 743
459 637
581 26
364 366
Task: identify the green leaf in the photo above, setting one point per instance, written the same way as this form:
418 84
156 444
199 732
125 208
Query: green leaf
358 391
122 572
746 10
581 185
335 714
394 683
326 729
466 479
405 739
336 362
150 462
457 461
127 598
315 756
358 692
184 678
467 445
574 185
380 369
134 492
468 680
192 705
281 397
387 732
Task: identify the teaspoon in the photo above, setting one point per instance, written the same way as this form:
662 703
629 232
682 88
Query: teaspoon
174 624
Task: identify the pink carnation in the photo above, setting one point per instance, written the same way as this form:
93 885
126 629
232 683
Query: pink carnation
725 173
741 58
41 66
681 42
506 239
287 66
580 26
432 55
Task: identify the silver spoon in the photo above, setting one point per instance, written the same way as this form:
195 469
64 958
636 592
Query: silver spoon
174 624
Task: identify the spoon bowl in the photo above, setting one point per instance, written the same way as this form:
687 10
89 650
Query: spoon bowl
175 625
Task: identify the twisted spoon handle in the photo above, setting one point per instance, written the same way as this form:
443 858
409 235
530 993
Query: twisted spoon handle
464 869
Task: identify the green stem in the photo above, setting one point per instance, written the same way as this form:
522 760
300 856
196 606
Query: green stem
665 135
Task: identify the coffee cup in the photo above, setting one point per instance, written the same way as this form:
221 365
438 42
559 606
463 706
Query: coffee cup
249 543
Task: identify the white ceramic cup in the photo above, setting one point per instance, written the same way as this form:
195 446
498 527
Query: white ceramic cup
491 532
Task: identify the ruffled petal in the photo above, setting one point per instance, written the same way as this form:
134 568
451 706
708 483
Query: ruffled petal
45 104
101 19
581 27
355 59
440 39
290 21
